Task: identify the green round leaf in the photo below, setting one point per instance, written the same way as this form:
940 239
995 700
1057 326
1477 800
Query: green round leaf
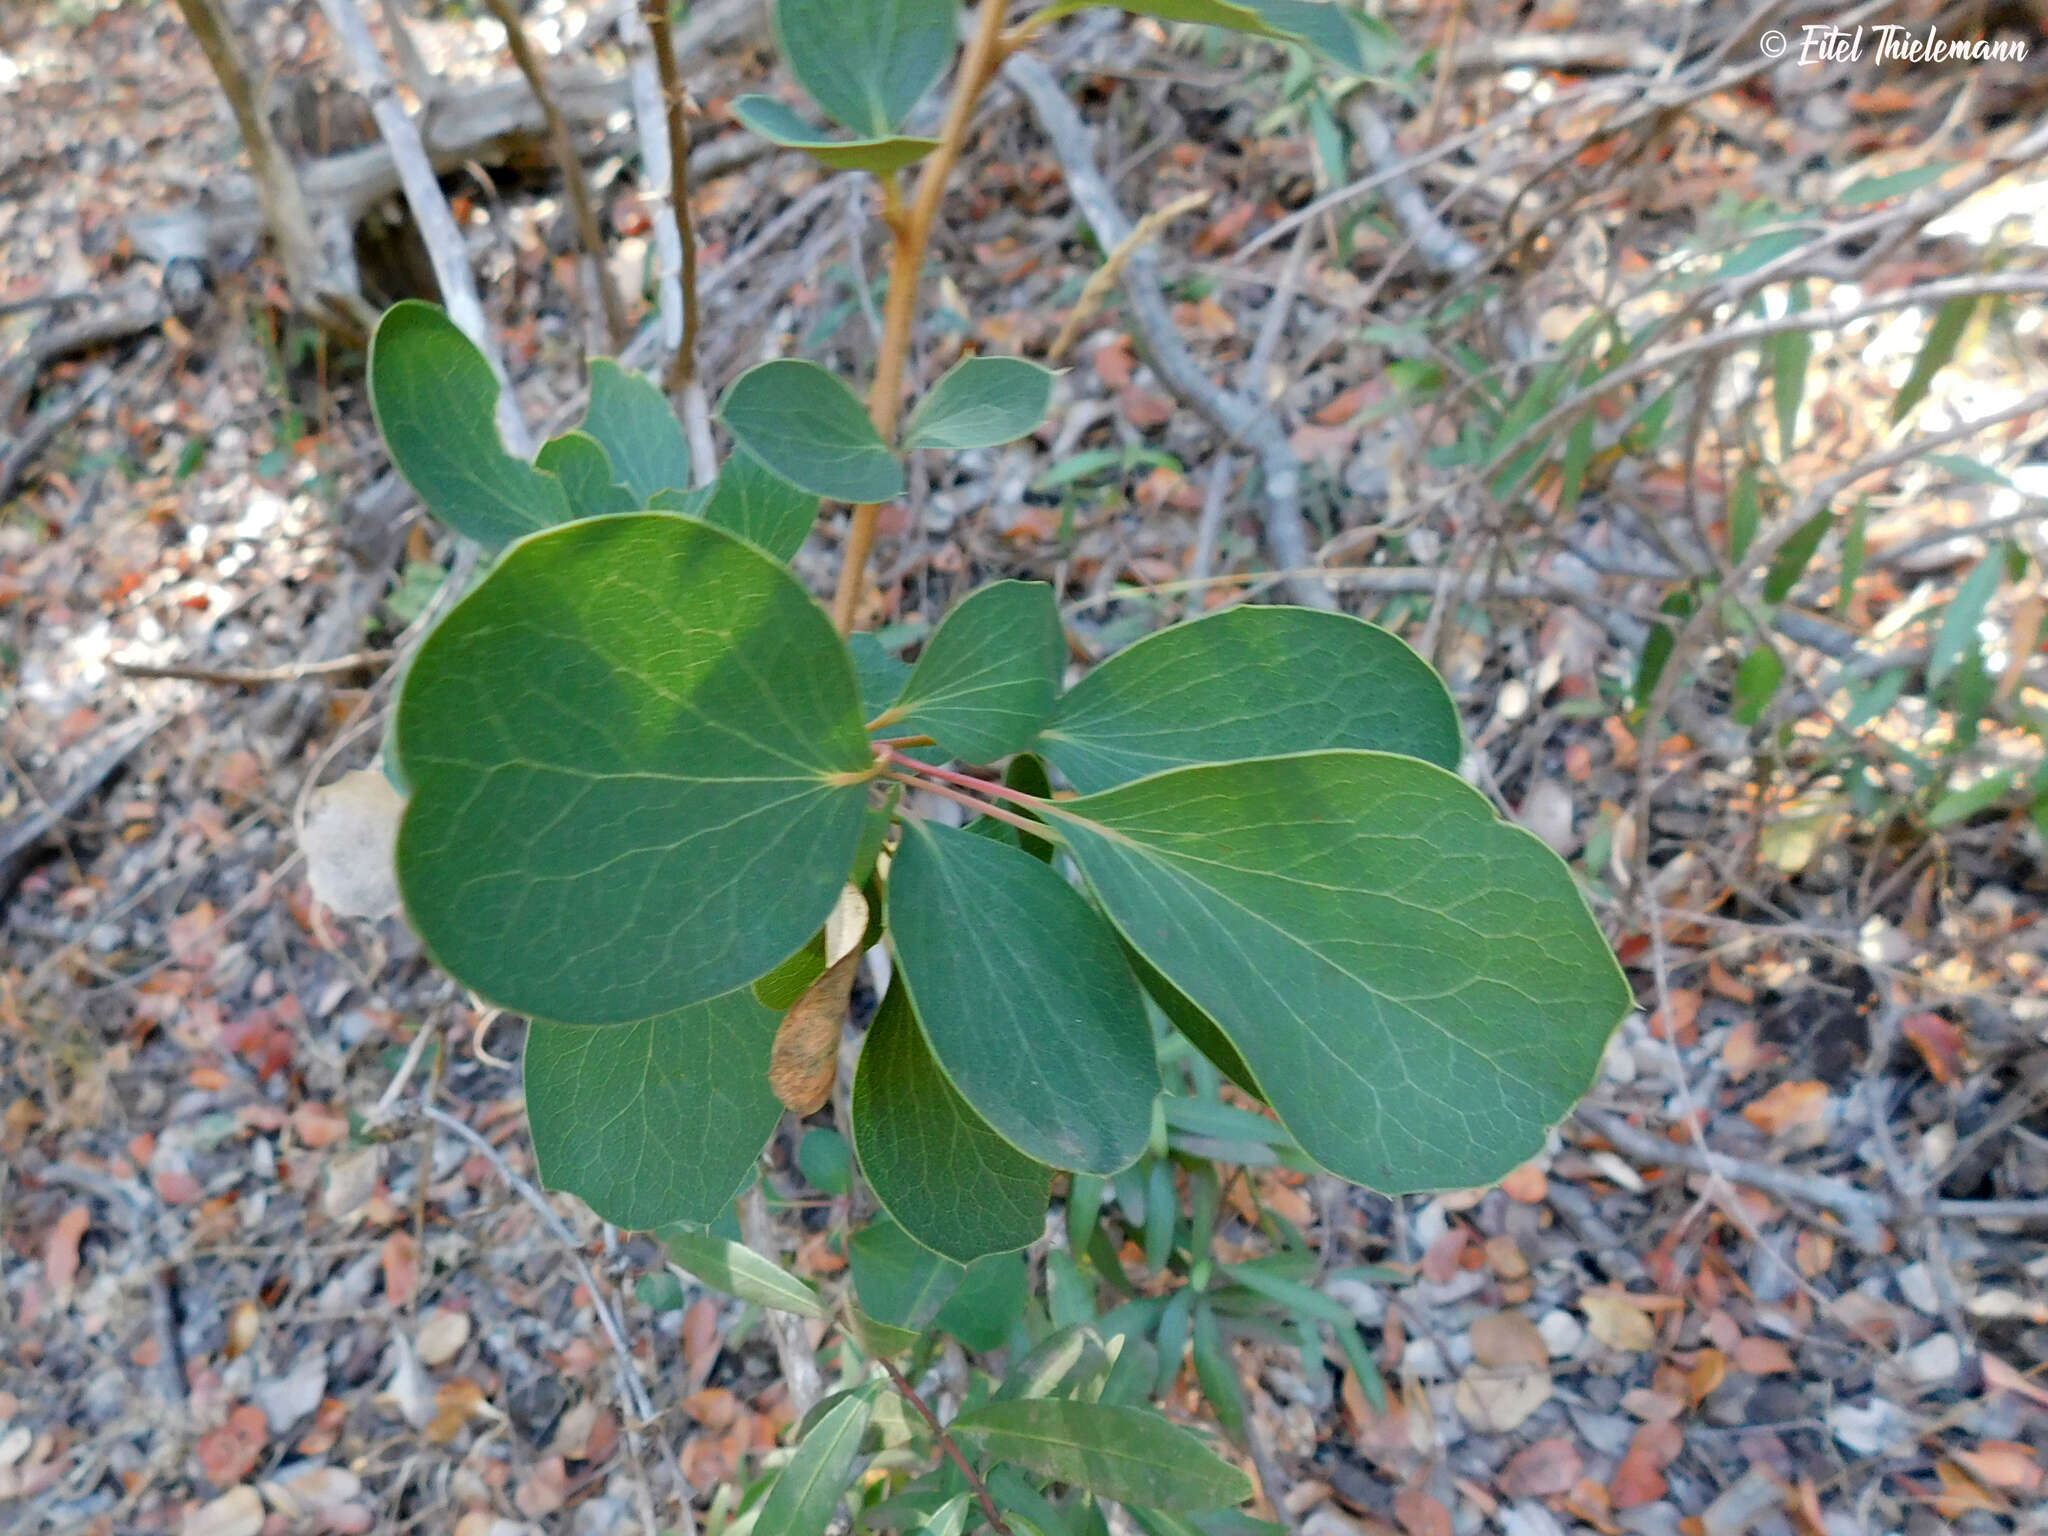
634 753
866 62
1024 997
776 123
579 461
809 429
657 1121
987 677
950 1181
981 402
1418 986
631 417
1250 682
760 507
436 401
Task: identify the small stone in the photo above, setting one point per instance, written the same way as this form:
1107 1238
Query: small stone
1872 1428
1563 1334
1933 1361
1916 1284
442 1336
238 1512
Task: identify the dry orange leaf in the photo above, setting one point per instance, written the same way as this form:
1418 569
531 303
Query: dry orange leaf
454 1402
1961 1494
2005 1464
401 1261
60 1248
1527 1185
1421 1513
1939 1042
229 1453
1788 1107
805 1061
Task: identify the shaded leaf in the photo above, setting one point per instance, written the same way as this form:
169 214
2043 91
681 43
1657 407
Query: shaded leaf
759 506
987 677
866 62
738 1271
641 832
1131 1455
1795 555
578 460
1943 337
981 402
900 1282
880 155
807 428
807 1493
988 1303
657 1121
632 419
1756 680
1957 636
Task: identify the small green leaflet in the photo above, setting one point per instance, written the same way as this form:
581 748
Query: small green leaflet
579 461
1417 985
1250 682
435 400
1216 1371
776 123
1788 354
759 506
981 402
808 1492
1743 507
1795 555
1212 13
1866 190
1029 1008
640 433
1131 1455
738 1271
671 814
866 62
950 1181
807 427
987 677
1957 636
658 1121
1756 680
1943 337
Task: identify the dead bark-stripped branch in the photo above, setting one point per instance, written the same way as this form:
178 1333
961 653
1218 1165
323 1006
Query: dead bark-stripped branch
437 226
1239 419
563 138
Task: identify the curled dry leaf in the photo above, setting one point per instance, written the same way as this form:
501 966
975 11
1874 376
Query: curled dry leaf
1789 1107
350 838
1510 1376
805 1061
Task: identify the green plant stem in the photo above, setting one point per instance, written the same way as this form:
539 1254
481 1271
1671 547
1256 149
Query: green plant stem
963 780
912 228
952 1450
682 368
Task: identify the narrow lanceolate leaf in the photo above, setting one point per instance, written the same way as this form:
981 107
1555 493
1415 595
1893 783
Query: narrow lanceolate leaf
1788 353
1250 682
631 417
808 428
760 507
866 62
1024 997
1418 986
1957 636
579 461
635 753
1943 337
1213 13
1131 1455
738 1271
981 402
987 678
950 1181
436 399
808 1492
777 124
654 1122
1795 555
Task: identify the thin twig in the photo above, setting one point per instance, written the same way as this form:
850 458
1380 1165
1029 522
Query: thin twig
682 367
629 1375
1104 277
255 677
952 1450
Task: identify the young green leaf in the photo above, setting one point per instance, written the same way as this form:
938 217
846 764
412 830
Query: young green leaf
578 460
1417 985
636 761
900 1282
880 155
1131 1455
1743 509
1250 682
657 1121
435 400
981 402
1854 538
1790 352
738 1271
1958 633
1578 453
808 1492
866 62
950 1181
1756 680
808 428
988 676
1866 190
1943 337
1029 1007
1795 555
1217 1373
640 433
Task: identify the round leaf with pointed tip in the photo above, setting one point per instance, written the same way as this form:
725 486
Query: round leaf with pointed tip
657 1121
635 753
631 417
1250 682
579 461
988 676
981 402
808 428
776 123
1024 997
1418 986
436 400
950 1181
749 501
866 62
